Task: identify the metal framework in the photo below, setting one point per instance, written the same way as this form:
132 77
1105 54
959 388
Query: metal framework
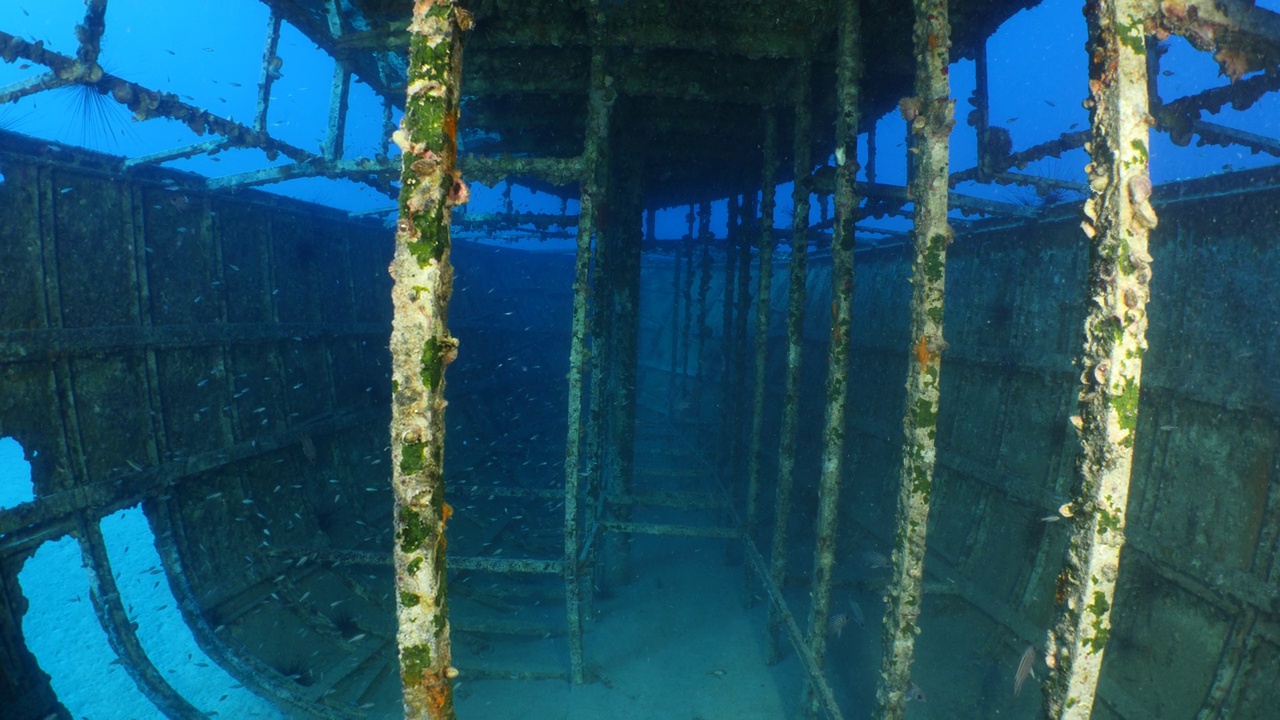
1119 214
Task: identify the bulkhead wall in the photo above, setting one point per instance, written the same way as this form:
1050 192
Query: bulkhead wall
220 358
1197 619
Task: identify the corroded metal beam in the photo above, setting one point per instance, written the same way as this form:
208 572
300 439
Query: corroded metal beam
421 348
591 169
848 93
375 172
270 71
930 116
121 632
765 245
146 103
25 526
1118 219
796 299
1242 37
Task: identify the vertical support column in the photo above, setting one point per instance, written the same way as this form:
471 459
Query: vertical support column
387 127
421 348
599 455
871 154
797 296
675 320
1118 218
89 33
625 210
980 116
592 167
337 129
728 422
704 287
688 307
765 243
339 92
848 92
930 116
270 71
737 466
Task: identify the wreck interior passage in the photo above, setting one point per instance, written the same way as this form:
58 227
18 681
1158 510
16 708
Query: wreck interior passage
737 358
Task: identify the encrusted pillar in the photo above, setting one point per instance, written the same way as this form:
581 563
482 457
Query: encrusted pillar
676 267
738 404
624 236
728 422
593 150
765 244
687 246
705 264
421 348
848 78
1118 216
796 298
929 116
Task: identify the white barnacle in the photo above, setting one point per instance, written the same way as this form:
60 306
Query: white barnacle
401 139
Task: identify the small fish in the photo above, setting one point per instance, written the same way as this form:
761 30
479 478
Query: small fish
308 448
875 559
1024 669
837 624
855 612
915 693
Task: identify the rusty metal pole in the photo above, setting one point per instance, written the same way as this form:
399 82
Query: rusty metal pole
848 91
1118 218
596 135
796 299
421 348
765 245
728 423
929 116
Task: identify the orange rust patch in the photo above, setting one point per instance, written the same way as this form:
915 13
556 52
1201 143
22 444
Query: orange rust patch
922 353
450 127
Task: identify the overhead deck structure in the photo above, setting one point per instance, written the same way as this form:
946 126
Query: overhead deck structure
627 107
